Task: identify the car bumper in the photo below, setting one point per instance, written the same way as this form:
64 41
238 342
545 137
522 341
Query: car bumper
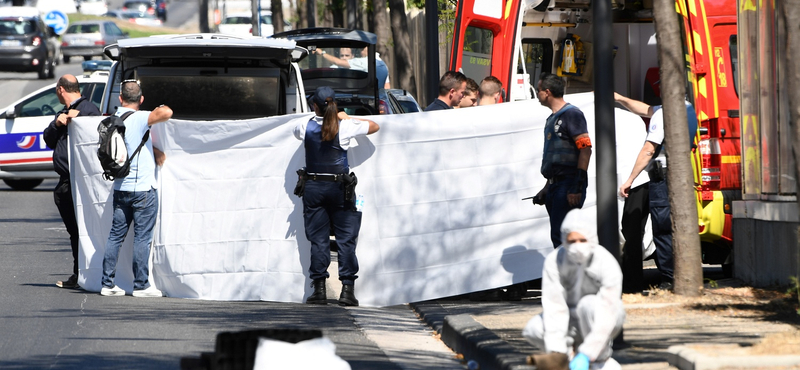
72 51
24 62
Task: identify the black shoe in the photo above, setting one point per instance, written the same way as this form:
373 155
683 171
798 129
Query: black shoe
70 283
347 298
319 296
666 285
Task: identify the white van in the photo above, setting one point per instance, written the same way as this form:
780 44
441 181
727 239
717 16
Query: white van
210 76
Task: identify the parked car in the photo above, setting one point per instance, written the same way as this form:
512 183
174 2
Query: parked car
144 6
242 24
25 160
93 7
210 76
88 38
405 100
26 43
357 88
135 16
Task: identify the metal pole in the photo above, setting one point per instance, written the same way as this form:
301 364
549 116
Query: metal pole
605 133
431 51
254 5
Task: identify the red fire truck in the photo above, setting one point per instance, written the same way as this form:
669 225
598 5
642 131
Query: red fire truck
515 41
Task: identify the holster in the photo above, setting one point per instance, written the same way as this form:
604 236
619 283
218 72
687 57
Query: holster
350 181
300 187
656 171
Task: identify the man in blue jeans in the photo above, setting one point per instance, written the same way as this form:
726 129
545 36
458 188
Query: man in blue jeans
567 150
135 196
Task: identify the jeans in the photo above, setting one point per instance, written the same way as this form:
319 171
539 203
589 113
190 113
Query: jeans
323 205
558 206
662 228
139 207
62 195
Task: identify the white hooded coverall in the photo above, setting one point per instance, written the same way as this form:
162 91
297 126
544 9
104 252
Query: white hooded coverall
581 295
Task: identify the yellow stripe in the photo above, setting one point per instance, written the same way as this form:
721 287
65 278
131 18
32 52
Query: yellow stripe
697 41
508 8
702 116
711 68
679 8
692 8
731 159
703 88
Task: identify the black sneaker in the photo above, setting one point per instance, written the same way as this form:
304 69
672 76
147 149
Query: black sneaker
70 283
666 285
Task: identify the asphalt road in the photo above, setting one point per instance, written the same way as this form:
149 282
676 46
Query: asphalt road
44 326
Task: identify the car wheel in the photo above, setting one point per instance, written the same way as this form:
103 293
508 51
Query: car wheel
26 184
44 71
87 57
66 58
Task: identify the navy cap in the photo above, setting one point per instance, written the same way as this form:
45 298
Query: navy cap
321 94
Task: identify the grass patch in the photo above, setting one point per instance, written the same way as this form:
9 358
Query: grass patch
133 30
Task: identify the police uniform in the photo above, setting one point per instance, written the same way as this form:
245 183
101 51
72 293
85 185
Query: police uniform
560 165
659 198
324 202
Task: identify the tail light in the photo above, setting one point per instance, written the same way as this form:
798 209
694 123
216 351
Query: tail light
100 42
251 30
383 108
36 41
64 43
151 11
711 159
162 5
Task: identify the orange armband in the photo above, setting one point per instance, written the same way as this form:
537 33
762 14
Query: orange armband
584 142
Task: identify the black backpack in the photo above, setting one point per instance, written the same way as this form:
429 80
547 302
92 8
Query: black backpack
111 149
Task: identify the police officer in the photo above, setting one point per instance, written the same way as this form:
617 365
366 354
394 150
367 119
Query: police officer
328 193
567 150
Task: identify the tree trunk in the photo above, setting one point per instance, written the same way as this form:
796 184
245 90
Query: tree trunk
682 195
203 16
791 10
402 48
311 13
336 11
381 30
254 18
277 15
301 11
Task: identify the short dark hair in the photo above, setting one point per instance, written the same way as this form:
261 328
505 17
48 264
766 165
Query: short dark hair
131 92
490 85
553 83
451 80
472 86
69 85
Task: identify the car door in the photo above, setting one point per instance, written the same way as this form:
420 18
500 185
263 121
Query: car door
21 139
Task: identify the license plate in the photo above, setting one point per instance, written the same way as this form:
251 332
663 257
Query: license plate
10 43
81 42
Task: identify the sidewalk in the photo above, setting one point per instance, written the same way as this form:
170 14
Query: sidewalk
660 333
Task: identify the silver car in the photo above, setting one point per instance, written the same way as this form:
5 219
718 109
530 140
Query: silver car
88 38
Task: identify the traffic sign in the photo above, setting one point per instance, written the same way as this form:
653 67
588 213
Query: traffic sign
58 20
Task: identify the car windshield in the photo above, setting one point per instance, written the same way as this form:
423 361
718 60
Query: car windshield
83 28
132 15
16 26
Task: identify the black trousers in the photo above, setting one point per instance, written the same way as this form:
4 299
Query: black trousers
634 220
62 195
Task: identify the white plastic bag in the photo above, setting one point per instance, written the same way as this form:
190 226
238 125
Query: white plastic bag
313 354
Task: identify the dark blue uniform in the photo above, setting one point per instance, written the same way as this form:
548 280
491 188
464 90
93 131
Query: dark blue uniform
324 205
560 165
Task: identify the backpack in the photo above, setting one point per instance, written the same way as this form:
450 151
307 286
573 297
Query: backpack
111 148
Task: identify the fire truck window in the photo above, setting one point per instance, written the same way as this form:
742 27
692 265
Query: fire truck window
735 63
538 54
477 62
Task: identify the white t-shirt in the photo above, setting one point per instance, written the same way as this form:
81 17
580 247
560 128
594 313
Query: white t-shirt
348 129
143 165
655 133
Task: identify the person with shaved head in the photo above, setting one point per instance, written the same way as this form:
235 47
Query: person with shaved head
55 136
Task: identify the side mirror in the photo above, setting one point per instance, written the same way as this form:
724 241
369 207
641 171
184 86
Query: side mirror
112 51
10 113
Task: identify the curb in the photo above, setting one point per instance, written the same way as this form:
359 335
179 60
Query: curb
684 357
466 336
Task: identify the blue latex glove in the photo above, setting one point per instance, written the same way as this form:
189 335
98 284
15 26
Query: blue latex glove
579 362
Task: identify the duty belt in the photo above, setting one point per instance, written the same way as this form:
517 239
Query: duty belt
557 178
325 177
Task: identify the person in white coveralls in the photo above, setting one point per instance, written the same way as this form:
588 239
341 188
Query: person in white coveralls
582 307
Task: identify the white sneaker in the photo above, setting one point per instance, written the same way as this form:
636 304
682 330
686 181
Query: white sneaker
150 292
609 364
115 291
